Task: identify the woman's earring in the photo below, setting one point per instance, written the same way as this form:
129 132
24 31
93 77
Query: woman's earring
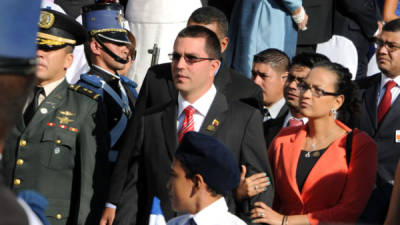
334 113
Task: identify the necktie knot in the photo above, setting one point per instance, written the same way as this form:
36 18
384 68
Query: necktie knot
390 84
293 122
189 111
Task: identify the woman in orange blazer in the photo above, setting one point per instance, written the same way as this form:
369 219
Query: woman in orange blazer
314 182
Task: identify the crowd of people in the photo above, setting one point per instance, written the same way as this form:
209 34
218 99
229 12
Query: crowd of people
259 121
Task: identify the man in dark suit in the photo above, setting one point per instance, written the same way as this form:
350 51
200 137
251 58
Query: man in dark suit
319 26
380 116
357 20
58 147
199 102
270 70
158 89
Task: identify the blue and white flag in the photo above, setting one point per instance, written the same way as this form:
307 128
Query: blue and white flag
156 215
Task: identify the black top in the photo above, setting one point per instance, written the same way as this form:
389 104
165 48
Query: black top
306 162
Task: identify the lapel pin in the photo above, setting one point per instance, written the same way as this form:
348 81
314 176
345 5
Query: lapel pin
213 125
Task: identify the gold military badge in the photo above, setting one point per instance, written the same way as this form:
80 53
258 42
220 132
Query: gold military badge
66 113
46 20
64 120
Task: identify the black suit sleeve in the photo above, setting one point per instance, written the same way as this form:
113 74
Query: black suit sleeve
254 157
363 12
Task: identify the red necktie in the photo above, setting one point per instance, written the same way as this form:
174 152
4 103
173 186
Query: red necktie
386 100
188 122
295 122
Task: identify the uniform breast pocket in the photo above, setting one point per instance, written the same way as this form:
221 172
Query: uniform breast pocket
58 149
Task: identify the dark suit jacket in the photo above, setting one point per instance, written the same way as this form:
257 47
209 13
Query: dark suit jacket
388 149
157 89
357 21
320 22
273 126
240 129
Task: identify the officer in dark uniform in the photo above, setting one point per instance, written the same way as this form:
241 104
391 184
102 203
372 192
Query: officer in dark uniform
107 51
58 146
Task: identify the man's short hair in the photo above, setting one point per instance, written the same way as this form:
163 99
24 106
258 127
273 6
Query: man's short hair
212 48
308 59
276 58
208 15
392 26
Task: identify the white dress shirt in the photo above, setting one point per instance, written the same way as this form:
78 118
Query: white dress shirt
395 90
201 105
275 109
215 214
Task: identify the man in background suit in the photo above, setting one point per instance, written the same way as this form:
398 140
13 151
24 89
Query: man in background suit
357 20
158 89
199 106
270 70
380 116
319 26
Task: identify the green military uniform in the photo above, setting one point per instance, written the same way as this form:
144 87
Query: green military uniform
59 147
61 154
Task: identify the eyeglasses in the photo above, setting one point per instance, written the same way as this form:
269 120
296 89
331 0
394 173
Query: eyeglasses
291 78
390 46
189 59
315 91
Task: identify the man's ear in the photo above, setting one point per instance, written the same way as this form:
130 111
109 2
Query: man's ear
198 183
224 44
214 66
95 47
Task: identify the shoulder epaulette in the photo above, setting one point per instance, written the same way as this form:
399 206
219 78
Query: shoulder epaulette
93 80
83 90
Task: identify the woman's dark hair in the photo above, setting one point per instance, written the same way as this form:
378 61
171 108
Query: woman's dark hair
346 87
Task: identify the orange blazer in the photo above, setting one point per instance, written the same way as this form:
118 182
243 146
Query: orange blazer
333 191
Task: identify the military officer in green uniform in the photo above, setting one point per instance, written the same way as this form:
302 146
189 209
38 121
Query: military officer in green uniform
59 145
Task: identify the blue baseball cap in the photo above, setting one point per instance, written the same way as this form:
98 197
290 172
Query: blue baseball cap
19 25
105 20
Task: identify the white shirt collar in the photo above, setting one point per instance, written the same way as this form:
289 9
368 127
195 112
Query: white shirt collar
276 108
105 71
48 88
385 79
211 211
201 105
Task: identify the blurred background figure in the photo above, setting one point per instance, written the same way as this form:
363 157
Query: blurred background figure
17 76
390 10
156 22
257 25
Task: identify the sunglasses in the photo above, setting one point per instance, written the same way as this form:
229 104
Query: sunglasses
189 59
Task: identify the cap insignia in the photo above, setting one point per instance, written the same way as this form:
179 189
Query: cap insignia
46 20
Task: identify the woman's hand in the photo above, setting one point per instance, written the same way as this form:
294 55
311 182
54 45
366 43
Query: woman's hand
300 17
261 213
252 185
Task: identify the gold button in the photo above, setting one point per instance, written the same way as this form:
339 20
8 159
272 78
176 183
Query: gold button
58 141
22 143
17 182
20 162
59 216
